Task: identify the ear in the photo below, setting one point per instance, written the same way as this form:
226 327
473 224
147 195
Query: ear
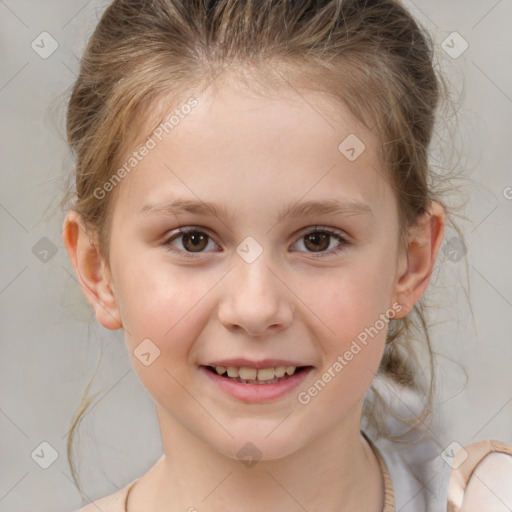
417 259
91 271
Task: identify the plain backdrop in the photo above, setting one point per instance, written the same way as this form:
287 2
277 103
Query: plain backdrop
50 341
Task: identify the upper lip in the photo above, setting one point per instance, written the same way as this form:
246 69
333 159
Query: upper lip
246 363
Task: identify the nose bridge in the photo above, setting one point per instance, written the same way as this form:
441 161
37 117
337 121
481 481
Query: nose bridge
254 299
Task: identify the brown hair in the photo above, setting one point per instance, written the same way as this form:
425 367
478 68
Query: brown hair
369 54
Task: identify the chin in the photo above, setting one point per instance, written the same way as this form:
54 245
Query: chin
253 445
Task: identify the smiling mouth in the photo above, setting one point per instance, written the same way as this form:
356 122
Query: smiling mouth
265 377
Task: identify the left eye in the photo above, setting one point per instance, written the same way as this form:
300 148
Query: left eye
193 240
318 240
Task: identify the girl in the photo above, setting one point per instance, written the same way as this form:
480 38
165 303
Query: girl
254 208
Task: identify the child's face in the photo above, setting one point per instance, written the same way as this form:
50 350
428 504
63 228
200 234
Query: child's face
254 157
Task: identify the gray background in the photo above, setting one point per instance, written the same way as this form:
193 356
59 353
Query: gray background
51 342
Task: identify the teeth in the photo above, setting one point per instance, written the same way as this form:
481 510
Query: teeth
279 371
232 371
263 374
249 373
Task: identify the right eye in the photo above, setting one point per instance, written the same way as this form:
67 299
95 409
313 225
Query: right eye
193 240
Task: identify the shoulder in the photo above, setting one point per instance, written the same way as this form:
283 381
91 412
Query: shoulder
113 503
481 477
431 473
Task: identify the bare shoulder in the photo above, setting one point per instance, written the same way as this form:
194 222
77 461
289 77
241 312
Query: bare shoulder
481 478
113 503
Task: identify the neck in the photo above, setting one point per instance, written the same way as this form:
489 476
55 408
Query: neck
337 471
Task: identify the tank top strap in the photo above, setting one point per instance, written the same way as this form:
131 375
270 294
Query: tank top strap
389 494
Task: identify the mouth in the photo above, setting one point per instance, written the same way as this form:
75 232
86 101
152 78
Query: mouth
254 376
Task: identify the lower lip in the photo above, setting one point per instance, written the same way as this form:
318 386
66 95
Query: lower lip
257 392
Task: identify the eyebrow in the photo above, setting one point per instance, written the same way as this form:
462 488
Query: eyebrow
297 209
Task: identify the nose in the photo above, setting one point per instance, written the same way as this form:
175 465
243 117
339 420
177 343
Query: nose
255 299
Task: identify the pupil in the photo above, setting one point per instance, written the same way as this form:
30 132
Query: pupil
196 238
318 238
198 241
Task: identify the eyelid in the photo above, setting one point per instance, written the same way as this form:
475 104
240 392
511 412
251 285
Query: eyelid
322 228
343 238
183 231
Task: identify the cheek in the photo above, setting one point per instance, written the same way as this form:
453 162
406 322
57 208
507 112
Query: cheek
350 302
158 300
163 315
353 344
351 310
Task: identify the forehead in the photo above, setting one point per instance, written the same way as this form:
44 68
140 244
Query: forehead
243 89
235 137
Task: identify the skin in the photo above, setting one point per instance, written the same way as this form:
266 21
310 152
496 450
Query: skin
495 469
255 155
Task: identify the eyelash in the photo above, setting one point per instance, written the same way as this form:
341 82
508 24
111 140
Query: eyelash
317 229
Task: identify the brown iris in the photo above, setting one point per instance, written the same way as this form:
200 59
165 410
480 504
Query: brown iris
194 240
317 238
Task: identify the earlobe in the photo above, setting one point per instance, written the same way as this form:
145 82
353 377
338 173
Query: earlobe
90 271
419 256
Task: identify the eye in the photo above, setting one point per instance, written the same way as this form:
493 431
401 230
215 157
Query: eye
193 240
319 239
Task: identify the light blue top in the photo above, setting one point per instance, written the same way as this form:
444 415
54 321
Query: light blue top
420 475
